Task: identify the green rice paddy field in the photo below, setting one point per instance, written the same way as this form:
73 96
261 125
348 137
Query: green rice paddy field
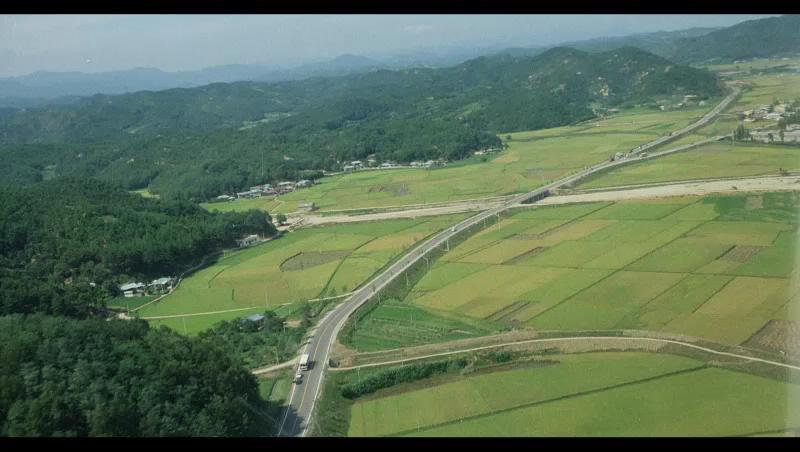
302 265
602 394
718 267
710 161
532 159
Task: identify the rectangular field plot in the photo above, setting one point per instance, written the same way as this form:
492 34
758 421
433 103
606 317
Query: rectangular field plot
393 324
743 295
502 251
682 255
608 303
684 297
490 304
627 231
708 402
577 229
621 255
699 211
568 212
719 266
556 291
739 232
629 210
734 313
780 207
443 274
488 291
484 394
569 254
777 260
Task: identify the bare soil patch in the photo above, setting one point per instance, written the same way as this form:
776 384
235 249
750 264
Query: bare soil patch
525 255
782 336
301 261
508 310
754 202
741 253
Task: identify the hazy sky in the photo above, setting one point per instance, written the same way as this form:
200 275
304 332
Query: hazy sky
92 43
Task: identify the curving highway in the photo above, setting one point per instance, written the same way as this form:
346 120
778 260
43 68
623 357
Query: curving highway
303 397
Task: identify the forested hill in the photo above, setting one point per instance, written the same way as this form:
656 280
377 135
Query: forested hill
65 244
66 377
199 142
773 36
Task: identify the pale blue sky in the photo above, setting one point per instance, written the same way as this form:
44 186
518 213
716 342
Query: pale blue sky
93 43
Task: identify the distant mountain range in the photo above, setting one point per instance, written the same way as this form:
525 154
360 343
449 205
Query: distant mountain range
43 87
751 39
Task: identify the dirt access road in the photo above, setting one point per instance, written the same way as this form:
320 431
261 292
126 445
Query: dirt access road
668 189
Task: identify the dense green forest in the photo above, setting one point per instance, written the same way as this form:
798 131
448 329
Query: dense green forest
68 377
66 243
197 143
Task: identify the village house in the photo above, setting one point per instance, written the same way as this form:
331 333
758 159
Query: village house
132 289
285 187
161 285
248 194
356 163
257 319
348 168
250 240
225 198
304 183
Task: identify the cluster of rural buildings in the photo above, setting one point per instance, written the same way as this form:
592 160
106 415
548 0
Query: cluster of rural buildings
766 112
775 112
790 135
486 151
689 100
257 191
371 163
156 287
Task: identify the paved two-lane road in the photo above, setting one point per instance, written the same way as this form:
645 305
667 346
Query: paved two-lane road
303 397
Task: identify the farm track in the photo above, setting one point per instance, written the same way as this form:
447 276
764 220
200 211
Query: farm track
657 190
175 316
587 339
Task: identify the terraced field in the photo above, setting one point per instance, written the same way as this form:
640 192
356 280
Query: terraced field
302 265
532 159
718 267
605 394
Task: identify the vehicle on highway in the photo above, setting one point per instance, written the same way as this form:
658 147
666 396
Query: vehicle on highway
304 363
298 378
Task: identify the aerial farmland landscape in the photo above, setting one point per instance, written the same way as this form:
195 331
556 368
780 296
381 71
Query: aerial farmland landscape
583 234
